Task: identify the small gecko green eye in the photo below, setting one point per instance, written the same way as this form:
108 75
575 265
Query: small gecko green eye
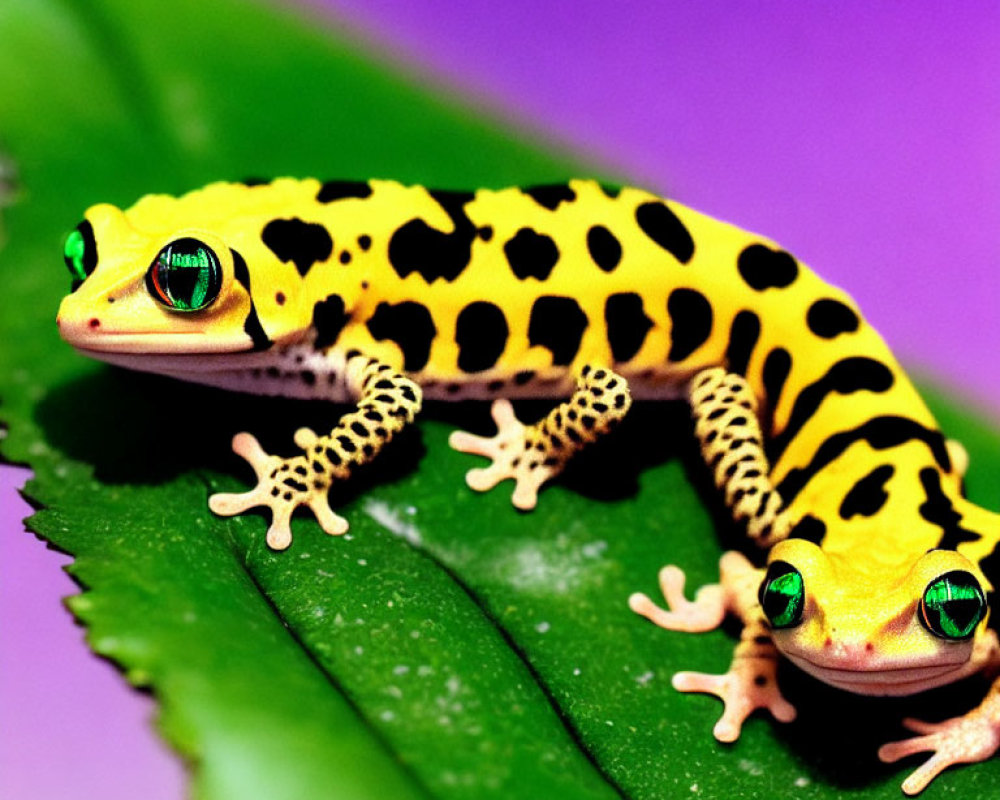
185 276
782 595
952 605
80 253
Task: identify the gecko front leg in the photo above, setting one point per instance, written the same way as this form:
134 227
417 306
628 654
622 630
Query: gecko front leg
967 739
388 402
532 454
751 681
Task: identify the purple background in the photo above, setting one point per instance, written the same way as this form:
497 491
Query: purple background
864 136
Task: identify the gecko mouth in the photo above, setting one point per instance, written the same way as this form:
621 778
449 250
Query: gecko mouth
884 681
292 371
179 362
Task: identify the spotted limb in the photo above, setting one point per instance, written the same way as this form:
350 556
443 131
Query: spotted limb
388 402
533 454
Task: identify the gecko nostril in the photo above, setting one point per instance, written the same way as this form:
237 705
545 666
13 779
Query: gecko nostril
828 642
869 647
95 322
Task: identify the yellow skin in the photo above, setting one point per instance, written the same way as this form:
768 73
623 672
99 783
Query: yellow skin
381 294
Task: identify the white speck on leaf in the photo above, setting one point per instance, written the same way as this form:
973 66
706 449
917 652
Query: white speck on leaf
751 767
555 566
392 520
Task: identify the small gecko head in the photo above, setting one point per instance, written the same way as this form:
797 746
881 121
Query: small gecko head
176 277
879 631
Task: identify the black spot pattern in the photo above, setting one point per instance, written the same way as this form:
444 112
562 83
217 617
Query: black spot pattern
743 336
661 225
551 196
627 325
417 247
691 318
777 365
303 243
938 510
339 190
557 323
881 433
868 495
481 334
809 528
531 254
604 248
849 375
829 318
251 325
410 326
329 319
763 268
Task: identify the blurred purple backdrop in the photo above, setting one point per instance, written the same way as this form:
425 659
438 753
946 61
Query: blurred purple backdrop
864 136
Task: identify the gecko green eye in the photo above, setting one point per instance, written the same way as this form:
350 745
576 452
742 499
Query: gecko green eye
185 276
952 605
80 253
782 595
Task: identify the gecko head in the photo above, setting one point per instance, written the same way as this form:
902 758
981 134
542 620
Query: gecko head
882 631
169 278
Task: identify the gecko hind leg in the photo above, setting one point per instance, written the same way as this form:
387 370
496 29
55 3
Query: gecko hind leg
532 454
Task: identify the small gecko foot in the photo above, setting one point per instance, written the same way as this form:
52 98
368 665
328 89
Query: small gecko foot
283 484
961 740
750 684
705 613
511 454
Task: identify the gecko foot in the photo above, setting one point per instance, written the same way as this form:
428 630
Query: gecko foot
961 740
750 684
705 613
512 454
283 484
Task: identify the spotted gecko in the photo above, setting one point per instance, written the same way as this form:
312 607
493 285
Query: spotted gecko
380 294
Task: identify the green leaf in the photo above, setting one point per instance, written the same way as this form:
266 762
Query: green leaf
448 646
